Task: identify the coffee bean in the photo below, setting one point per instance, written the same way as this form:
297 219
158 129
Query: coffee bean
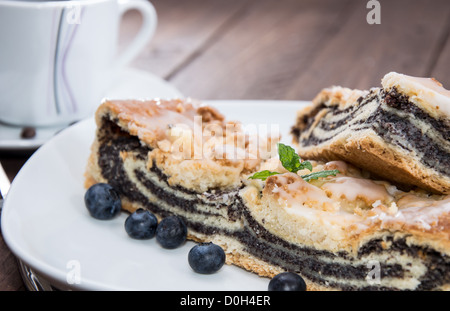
28 132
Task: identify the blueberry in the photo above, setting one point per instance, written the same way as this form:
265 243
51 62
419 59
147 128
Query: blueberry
141 224
171 232
102 201
287 281
206 258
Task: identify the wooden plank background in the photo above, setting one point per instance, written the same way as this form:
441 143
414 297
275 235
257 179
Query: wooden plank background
284 49
291 49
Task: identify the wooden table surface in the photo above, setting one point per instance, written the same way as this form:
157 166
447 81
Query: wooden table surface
283 50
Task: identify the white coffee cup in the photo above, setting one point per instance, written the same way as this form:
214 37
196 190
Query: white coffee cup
58 57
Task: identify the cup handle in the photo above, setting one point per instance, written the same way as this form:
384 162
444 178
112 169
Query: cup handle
148 27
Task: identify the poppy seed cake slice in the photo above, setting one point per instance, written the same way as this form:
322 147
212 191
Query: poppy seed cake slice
400 132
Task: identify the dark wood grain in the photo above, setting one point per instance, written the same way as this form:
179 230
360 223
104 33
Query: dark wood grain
184 30
10 279
13 162
285 49
359 55
296 48
440 64
279 40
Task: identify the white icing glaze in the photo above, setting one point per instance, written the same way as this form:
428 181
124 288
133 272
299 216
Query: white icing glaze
341 166
432 84
418 211
323 204
293 191
352 188
185 134
299 198
303 193
161 122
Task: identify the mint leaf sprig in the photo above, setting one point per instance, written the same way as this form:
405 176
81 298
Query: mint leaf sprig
263 175
291 162
319 174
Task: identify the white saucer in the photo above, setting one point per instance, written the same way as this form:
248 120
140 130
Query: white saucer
131 83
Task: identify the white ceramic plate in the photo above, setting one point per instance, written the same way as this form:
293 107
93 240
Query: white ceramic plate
130 83
47 226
